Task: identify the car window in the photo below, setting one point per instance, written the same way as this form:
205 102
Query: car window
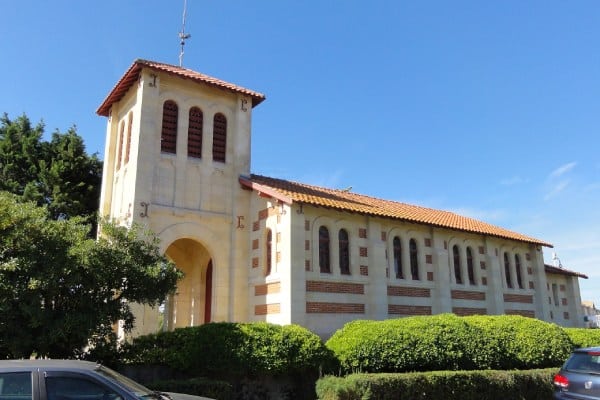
72 388
584 362
15 386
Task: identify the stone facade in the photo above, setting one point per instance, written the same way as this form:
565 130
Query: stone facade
251 254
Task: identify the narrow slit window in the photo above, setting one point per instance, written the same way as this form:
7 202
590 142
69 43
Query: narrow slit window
507 271
518 271
414 259
398 258
128 145
119 153
456 257
324 250
470 266
269 252
344 252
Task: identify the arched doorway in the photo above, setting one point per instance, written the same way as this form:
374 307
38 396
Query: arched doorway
192 302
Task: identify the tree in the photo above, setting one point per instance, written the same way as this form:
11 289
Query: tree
58 173
59 289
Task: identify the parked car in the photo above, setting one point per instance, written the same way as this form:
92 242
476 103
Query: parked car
72 380
579 377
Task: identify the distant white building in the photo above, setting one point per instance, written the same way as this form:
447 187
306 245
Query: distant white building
257 248
591 314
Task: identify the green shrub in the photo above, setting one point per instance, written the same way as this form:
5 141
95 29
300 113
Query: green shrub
440 342
232 350
447 385
516 342
583 337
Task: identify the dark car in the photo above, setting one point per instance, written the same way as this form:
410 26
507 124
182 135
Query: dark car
579 377
71 380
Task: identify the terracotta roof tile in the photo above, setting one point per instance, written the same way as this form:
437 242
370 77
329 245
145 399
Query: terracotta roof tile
132 74
353 202
563 271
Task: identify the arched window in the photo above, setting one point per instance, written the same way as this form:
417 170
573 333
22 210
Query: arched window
414 259
518 270
195 133
507 271
344 252
120 148
269 252
219 137
128 145
398 258
168 136
470 266
324 249
456 256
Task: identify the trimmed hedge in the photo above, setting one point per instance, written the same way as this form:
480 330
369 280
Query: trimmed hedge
583 337
447 385
226 349
449 342
515 342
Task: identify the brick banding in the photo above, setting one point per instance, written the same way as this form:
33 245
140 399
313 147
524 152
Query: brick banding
462 311
467 295
408 291
524 313
399 309
518 298
334 308
335 287
267 288
266 309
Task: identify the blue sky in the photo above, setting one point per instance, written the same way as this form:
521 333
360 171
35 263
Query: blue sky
486 108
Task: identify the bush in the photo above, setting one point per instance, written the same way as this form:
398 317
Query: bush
232 350
515 342
448 342
440 342
448 385
583 337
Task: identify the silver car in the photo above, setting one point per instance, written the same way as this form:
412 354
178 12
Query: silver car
579 377
72 380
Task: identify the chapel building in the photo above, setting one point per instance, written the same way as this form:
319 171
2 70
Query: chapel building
257 248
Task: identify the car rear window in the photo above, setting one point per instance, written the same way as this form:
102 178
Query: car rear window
586 362
15 386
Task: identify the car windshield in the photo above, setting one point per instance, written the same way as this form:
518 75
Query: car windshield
584 362
140 391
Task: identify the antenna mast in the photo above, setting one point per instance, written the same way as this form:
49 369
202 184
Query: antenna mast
182 35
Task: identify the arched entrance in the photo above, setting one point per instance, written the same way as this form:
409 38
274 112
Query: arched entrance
192 302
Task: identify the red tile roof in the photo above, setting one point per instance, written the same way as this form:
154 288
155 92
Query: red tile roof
132 74
343 200
562 271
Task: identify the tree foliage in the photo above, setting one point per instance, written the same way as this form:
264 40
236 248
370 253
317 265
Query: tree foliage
59 289
57 173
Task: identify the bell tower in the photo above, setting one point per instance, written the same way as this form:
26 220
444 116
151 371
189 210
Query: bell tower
177 142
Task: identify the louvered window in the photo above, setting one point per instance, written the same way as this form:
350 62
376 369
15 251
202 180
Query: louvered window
128 146
456 256
195 133
324 249
168 137
120 148
219 137
344 252
414 259
398 258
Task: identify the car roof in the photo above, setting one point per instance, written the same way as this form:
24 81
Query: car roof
57 364
588 349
